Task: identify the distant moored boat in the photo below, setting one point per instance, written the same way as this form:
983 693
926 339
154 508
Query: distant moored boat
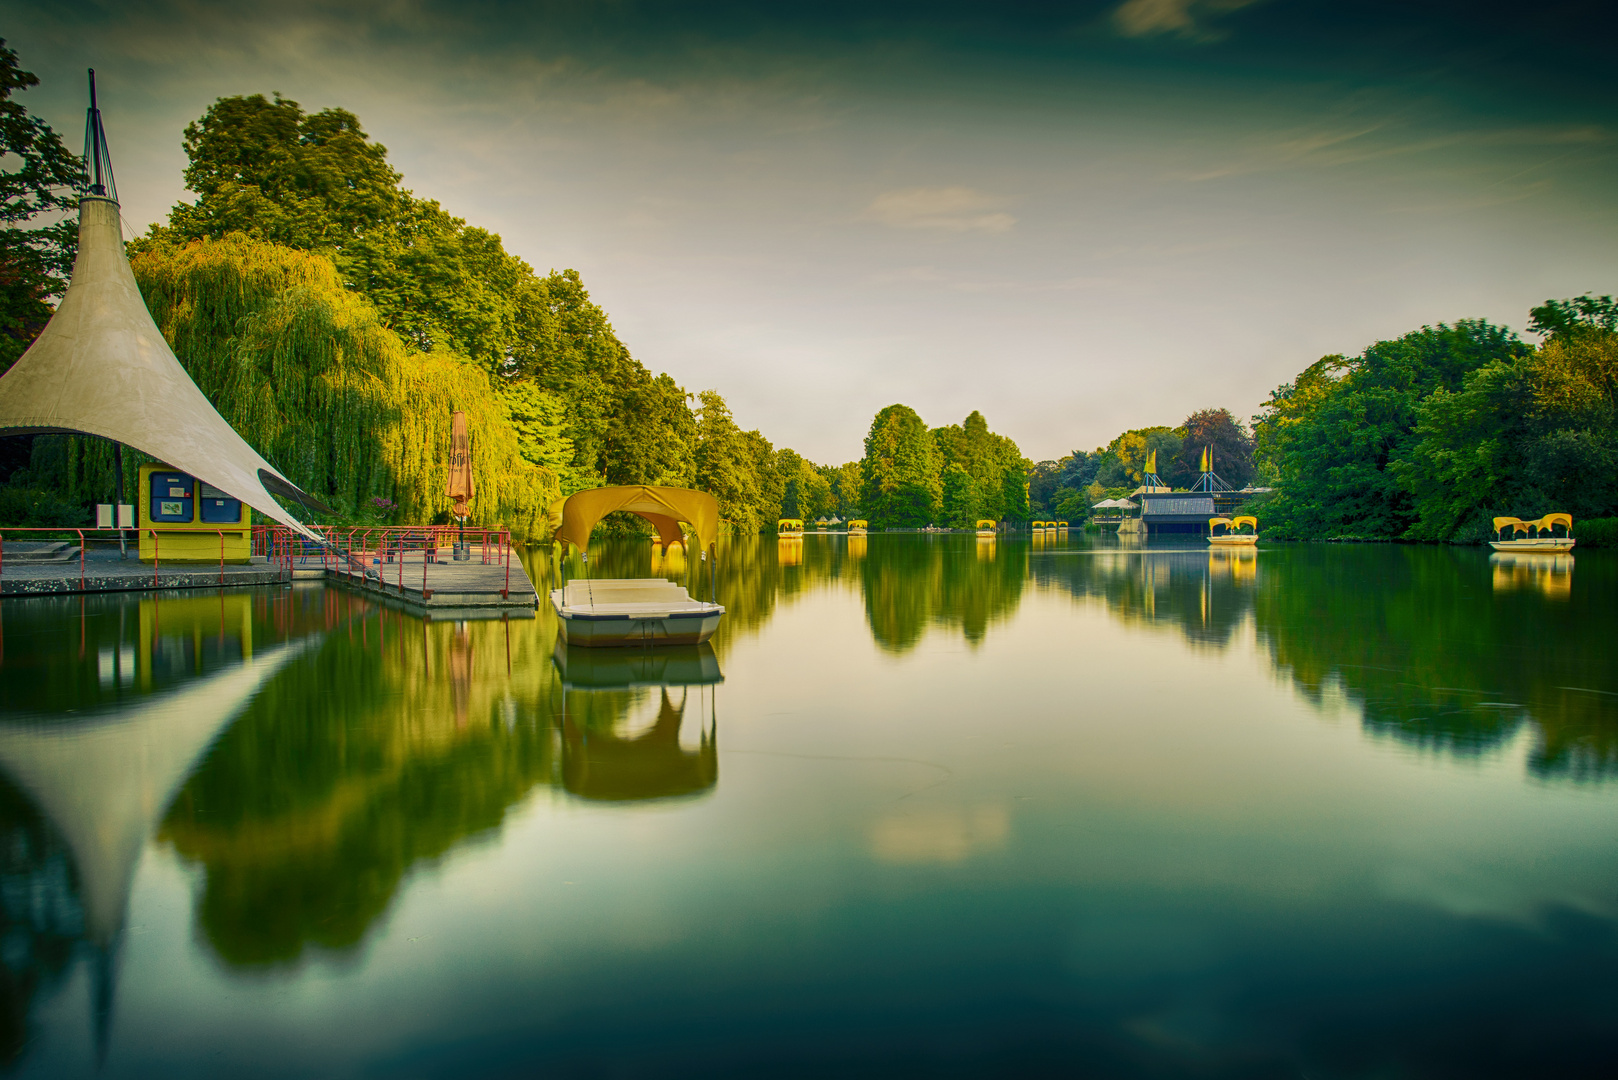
1226 532
1539 535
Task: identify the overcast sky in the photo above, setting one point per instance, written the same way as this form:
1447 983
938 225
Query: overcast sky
1078 218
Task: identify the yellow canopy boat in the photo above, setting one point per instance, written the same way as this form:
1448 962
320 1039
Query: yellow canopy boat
636 611
986 527
789 527
1539 535
857 526
1226 532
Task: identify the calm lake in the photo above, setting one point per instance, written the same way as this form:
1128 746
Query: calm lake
928 805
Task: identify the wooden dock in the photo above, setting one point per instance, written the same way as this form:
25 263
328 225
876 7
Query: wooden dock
438 587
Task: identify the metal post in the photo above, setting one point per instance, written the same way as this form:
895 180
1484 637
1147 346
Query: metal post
118 468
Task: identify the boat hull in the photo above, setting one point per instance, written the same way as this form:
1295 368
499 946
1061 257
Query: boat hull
1233 541
1550 545
635 629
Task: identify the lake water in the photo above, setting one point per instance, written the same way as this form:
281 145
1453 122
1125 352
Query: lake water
927 806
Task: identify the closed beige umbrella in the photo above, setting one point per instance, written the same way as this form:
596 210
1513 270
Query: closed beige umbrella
462 487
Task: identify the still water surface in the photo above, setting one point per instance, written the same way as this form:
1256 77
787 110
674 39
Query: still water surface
927 806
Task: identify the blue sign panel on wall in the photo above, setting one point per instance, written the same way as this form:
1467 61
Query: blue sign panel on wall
172 495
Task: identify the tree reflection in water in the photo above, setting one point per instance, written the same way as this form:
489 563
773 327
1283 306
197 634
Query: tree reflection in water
360 742
1428 643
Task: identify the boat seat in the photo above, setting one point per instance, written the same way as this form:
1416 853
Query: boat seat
621 592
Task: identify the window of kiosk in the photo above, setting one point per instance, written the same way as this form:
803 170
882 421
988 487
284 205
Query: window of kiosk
219 508
172 497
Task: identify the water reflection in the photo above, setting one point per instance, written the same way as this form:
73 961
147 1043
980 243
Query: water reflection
1549 574
609 751
96 777
306 751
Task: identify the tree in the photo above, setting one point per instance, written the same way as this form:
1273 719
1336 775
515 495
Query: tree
1337 432
847 487
1231 444
266 168
901 483
962 505
39 177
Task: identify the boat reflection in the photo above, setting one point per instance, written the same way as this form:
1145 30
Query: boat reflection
610 753
1550 574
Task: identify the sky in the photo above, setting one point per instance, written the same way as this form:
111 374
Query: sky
1077 218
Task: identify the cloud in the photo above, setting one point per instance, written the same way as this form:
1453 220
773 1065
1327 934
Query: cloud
1183 18
952 209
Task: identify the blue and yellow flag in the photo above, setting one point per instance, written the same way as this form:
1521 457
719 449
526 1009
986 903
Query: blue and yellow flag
1207 459
1151 462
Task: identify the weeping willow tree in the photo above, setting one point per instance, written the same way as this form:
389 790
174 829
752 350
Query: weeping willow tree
311 378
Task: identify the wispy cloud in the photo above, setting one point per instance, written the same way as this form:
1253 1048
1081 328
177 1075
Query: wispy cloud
1182 18
949 209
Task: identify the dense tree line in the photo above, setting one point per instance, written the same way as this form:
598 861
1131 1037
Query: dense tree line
913 476
1430 435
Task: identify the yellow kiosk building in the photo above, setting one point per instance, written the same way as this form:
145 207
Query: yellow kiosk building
183 519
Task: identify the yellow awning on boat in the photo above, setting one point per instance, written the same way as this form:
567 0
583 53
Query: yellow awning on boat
858 523
575 517
1555 519
1245 519
789 523
986 524
1218 521
1517 524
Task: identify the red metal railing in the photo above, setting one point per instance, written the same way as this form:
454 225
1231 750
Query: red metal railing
344 551
368 553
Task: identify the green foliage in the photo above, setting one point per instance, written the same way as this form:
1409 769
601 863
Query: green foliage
1596 532
902 487
38 176
1430 436
34 508
1337 433
1558 318
309 376
265 168
1232 449
962 505
736 467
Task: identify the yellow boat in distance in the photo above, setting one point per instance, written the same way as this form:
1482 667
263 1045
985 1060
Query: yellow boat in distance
1232 536
789 527
986 527
596 612
1539 535
858 526
1059 525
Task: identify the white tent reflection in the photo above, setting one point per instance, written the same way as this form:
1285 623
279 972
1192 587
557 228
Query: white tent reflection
104 784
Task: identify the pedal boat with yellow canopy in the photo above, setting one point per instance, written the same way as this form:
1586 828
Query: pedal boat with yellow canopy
621 612
789 527
986 527
1537 536
858 526
1232 536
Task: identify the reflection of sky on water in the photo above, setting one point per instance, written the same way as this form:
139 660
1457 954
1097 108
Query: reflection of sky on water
1114 804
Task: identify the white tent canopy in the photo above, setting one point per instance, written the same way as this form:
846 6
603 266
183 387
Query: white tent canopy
100 367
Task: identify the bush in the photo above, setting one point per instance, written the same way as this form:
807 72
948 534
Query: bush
1596 532
31 508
